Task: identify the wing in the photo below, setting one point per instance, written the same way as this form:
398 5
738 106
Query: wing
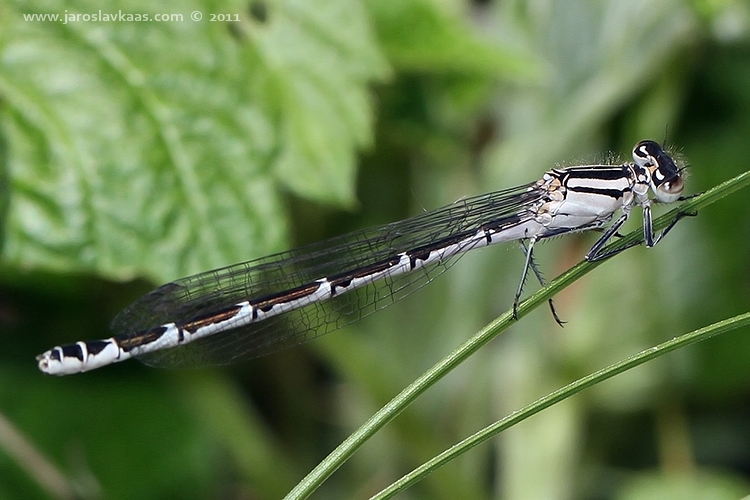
194 296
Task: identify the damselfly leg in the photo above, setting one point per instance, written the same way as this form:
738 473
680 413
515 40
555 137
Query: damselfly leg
597 252
531 263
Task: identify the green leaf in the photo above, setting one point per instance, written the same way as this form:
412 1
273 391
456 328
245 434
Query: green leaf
321 60
163 148
422 35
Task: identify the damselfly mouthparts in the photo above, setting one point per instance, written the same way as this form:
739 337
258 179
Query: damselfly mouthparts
257 307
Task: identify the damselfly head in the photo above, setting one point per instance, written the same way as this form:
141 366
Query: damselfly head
666 178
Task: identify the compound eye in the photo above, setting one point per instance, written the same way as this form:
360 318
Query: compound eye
670 191
646 152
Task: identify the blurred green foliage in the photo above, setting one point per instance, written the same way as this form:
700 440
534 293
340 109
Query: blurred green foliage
133 153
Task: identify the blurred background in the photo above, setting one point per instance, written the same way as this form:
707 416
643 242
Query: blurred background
136 152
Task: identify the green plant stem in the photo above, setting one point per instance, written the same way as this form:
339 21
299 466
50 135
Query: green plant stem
337 457
559 395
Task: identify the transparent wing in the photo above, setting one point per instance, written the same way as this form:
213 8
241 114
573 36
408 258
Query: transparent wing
187 298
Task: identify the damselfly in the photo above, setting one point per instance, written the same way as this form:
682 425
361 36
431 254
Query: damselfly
250 309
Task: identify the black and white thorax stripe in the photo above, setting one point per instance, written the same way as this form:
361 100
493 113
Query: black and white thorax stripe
256 307
586 197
